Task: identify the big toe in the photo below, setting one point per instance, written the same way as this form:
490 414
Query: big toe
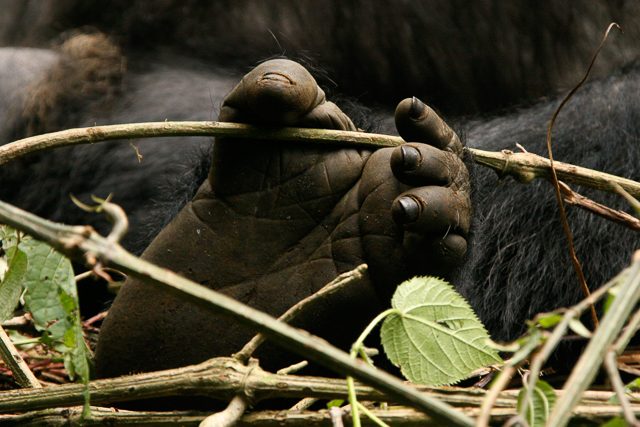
278 92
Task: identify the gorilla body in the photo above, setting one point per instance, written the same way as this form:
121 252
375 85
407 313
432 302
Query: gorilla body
516 264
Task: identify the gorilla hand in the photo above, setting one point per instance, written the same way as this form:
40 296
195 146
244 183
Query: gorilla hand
274 222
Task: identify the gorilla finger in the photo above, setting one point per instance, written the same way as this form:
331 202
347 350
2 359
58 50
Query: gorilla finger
418 122
278 92
437 255
432 210
422 164
327 116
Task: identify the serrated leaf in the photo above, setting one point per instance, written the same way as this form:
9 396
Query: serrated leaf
11 285
543 398
434 336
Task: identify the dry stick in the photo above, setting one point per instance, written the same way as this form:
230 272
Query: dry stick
570 197
560 331
554 179
499 384
592 357
335 285
612 367
21 372
523 166
589 414
82 242
240 403
229 416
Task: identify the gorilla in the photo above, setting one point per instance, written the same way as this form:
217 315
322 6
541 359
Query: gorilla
270 224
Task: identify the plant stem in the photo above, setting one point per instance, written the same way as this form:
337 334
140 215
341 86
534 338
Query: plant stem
522 166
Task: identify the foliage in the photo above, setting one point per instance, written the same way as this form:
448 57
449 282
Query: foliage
433 335
46 277
538 410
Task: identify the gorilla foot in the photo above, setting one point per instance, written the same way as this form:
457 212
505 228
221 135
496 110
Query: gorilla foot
274 222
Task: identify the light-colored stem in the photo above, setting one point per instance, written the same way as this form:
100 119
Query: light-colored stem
523 166
21 372
230 416
592 357
343 280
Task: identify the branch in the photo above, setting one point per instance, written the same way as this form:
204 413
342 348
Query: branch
523 166
588 413
21 372
83 243
592 357
341 281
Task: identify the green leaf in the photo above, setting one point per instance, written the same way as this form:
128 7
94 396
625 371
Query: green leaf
335 403
52 299
616 422
11 285
549 320
543 399
433 335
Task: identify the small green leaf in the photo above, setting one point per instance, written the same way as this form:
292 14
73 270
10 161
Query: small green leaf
543 399
433 335
549 320
633 386
615 422
611 296
335 403
11 285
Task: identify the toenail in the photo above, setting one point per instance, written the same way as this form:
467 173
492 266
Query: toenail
411 157
410 208
276 77
417 108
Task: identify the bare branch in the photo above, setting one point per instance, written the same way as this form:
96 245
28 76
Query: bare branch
523 166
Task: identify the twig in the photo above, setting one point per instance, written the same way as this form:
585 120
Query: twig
592 357
633 202
293 368
82 242
560 330
336 416
612 368
230 416
523 166
618 386
303 404
499 384
570 197
588 414
555 181
335 285
21 372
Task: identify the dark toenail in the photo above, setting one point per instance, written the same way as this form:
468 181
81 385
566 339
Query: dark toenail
417 108
276 77
411 157
410 208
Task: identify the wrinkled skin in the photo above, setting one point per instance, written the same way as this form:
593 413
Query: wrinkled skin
274 222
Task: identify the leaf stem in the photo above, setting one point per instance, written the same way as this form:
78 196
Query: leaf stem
355 349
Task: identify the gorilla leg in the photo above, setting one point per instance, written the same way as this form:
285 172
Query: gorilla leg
274 223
